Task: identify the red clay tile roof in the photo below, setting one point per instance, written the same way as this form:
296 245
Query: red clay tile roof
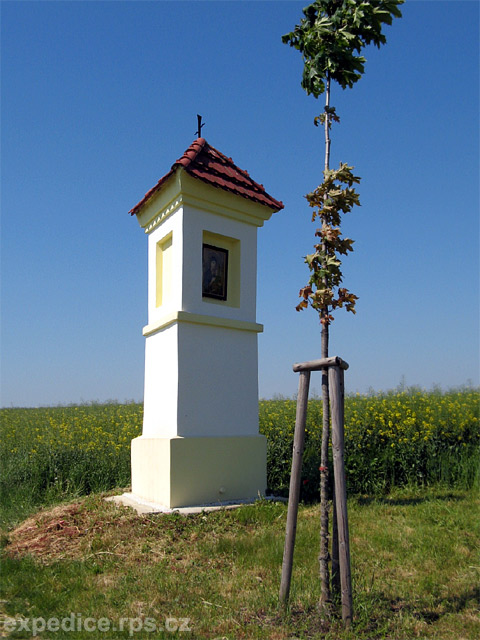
204 162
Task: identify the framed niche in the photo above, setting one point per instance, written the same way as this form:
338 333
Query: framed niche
214 272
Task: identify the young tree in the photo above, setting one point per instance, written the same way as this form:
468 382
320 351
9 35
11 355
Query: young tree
330 38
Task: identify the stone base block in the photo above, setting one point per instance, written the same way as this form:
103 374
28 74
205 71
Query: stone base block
184 472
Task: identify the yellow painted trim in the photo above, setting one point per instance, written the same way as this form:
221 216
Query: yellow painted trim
197 318
182 189
163 269
161 205
200 195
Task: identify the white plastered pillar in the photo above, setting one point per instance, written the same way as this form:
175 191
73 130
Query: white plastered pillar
200 442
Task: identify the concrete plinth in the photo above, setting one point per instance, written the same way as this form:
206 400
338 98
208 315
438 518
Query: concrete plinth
143 507
188 472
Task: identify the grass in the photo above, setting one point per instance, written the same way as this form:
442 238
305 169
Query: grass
415 567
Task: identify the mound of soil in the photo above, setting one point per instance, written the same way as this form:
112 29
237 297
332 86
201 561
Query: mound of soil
87 528
50 534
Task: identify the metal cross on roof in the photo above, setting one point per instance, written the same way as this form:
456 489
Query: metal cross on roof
200 125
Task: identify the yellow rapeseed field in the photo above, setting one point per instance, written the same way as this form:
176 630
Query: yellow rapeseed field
392 438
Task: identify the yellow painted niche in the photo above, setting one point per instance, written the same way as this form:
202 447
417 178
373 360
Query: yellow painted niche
164 270
233 275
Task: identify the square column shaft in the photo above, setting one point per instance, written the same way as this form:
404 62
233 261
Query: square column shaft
211 388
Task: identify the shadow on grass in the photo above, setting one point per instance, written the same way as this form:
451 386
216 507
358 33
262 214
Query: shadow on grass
402 502
441 606
458 603
380 618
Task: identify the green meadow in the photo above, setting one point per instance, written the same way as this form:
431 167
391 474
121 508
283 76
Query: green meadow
413 479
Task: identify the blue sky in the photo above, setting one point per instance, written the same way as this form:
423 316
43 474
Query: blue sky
98 100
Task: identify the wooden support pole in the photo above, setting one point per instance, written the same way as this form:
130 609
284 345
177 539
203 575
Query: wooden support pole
336 386
322 363
336 588
295 480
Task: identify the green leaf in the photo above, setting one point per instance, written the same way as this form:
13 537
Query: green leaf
332 35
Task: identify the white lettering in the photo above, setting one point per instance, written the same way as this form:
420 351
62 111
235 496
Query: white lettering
38 624
89 624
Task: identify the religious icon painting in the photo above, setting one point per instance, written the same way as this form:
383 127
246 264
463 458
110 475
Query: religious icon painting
215 270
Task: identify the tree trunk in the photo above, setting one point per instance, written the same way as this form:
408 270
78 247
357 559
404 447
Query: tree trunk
327 126
325 598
